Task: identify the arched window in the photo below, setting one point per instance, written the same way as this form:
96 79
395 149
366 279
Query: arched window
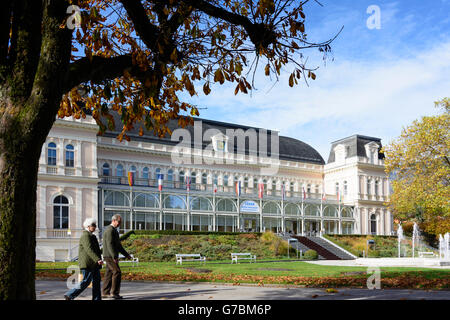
215 180
330 211
51 154
204 178
226 205
291 209
181 177
133 170
193 178
105 169
271 208
312 210
308 188
377 185
291 187
157 172
225 180
246 182
345 188
170 178
337 188
274 185
70 156
60 213
119 170
146 200
145 173
265 185
317 189
116 198
174 202
200 203
369 182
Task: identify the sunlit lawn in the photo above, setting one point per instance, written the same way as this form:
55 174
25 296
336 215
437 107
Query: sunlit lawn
293 268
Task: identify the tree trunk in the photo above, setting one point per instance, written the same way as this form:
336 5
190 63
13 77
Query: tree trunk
17 223
29 101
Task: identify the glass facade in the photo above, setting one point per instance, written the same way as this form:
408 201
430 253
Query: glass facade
205 212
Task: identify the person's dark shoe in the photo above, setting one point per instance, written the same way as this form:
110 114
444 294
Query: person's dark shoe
116 297
67 297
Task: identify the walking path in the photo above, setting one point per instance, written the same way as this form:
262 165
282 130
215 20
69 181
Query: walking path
383 262
55 289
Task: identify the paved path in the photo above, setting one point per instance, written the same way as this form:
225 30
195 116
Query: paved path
384 262
55 289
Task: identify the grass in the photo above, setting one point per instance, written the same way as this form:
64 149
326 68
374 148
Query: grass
156 253
281 272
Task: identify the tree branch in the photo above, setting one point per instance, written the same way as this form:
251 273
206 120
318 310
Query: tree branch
146 30
96 70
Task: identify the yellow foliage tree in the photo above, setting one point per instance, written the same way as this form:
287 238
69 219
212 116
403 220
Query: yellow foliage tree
419 163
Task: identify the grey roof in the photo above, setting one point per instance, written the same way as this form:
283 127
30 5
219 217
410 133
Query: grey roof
290 149
355 146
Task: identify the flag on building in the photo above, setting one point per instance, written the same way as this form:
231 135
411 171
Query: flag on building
260 190
339 196
238 188
188 183
131 178
160 181
215 188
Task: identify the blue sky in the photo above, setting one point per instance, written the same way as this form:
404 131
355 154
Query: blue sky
375 82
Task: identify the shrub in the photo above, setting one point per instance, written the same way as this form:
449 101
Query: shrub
311 255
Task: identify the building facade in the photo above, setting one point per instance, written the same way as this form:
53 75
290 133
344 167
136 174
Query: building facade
212 176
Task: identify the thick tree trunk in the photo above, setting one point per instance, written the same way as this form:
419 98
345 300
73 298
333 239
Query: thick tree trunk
29 101
18 222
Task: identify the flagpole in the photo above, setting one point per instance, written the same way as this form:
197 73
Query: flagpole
339 212
237 189
214 206
282 208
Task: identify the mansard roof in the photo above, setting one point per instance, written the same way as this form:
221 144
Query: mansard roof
355 146
290 149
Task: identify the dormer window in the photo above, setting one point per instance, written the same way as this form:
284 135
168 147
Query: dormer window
371 152
220 142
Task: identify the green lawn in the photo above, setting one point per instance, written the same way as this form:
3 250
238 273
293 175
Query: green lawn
265 269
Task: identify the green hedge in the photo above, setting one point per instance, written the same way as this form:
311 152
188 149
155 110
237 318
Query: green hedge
180 232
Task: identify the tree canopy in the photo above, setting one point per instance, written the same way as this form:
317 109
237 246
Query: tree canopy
137 56
73 57
419 161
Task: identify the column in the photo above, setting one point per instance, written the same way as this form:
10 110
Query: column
60 156
42 211
367 220
364 187
78 211
78 166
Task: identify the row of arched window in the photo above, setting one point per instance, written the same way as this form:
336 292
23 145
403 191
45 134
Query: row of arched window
69 153
196 179
147 200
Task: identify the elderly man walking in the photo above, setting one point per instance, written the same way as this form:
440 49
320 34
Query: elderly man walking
111 249
89 261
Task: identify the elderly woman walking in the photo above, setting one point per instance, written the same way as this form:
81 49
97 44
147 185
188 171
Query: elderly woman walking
89 261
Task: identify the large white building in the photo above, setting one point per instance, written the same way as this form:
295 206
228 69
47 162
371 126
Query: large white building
82 174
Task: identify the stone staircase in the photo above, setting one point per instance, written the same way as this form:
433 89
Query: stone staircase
324 249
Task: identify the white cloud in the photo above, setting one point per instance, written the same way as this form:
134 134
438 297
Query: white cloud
373 98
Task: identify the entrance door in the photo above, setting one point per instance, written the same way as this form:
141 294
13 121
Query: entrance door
312 227
250 224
